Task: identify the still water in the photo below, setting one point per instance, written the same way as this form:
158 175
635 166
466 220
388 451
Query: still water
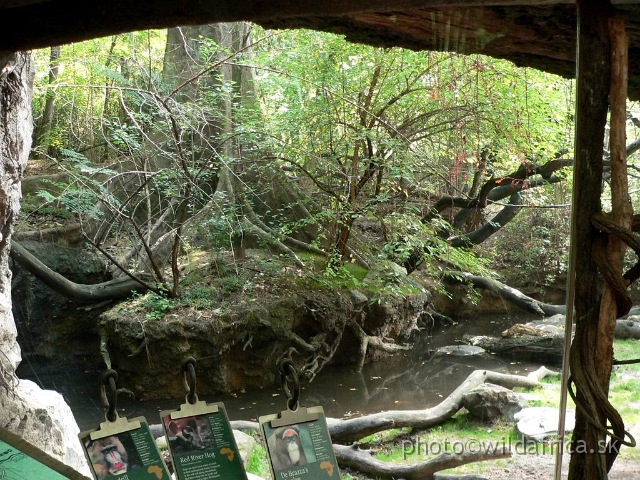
410 380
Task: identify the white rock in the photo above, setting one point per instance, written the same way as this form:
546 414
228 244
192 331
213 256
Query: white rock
161 443
40 417
538 423
246 444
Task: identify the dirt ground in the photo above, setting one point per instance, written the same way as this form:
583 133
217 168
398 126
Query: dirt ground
541 467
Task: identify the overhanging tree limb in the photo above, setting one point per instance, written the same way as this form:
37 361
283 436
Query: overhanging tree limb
506 292
86 294
505 215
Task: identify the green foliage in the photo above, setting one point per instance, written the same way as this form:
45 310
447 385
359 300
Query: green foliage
83 195
397 124
534 246
157 306
33 205
219 231
259 463
201 297
230 283
357 132
342 275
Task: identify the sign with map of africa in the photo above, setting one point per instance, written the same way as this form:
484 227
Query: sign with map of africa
300 450
123 450
201 443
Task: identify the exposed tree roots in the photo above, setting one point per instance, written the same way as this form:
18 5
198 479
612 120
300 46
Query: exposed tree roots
372 341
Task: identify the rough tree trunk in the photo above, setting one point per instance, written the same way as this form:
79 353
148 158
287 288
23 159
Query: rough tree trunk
40 417
615 300
594 71
43 134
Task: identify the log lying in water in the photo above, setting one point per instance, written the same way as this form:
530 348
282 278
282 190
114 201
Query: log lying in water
546 349
347 431
353 429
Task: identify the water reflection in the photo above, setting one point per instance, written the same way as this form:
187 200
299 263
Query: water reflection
411 380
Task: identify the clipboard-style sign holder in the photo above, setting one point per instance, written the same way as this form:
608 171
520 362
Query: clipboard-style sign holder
121 449
297 439
200 438
21 459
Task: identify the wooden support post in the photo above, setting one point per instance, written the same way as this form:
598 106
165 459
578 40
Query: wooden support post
622 215
603 71
592 90
622 210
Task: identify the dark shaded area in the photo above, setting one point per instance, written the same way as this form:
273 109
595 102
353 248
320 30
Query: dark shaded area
52 330
541 37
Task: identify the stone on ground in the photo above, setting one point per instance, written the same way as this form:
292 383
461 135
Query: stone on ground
246 444
490 403
539 423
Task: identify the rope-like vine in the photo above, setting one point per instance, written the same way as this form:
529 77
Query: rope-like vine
591 398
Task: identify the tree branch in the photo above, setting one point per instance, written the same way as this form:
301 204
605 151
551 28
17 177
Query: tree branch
112 290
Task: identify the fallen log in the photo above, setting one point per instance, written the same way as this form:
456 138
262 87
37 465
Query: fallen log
627 328
507 293
545 349
353 429
80 293
364 462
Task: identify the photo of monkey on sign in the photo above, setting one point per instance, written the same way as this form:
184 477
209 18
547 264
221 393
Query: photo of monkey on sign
189 434
113 455
290 447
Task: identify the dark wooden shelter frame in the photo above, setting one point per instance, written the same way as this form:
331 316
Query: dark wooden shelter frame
536 33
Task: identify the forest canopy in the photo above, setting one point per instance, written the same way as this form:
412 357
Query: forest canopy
297 140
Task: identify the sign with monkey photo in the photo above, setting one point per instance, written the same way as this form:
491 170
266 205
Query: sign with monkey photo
299 446
201 443
123 450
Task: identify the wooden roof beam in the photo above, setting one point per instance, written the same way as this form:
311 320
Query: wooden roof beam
54 22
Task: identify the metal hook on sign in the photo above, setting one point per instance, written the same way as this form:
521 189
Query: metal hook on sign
288 372
189 379
110 400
